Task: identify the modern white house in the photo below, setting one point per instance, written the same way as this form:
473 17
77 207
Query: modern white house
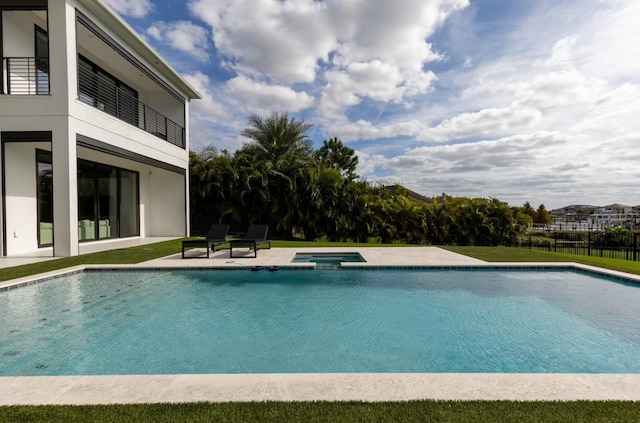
93 128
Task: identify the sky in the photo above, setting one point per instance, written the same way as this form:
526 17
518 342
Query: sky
518 100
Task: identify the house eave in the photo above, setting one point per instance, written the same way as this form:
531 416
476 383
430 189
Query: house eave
110 18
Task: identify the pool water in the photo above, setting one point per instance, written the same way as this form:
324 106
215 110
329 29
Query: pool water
232 321
328 259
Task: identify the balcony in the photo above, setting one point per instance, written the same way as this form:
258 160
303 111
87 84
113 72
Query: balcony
106 93
25 76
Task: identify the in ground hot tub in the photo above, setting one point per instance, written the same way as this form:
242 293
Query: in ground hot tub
328 259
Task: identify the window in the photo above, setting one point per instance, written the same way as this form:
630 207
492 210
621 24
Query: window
107 202
42 60
100 89
129 216
45 198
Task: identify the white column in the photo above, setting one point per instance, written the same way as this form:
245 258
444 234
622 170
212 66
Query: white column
62 56
65 192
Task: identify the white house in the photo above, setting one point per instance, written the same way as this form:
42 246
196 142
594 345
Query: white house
93 128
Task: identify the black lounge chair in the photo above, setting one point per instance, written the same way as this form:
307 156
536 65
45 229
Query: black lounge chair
216 236
256 235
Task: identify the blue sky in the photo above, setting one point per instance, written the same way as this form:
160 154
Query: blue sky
533 101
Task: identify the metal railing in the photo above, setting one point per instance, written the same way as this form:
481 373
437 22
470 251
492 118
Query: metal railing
25 75
105 94
609 244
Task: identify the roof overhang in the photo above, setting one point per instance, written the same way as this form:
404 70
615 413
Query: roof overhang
113 21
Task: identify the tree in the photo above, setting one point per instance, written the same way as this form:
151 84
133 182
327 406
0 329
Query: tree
334 154
279 140
277 179
542 215
527 209
213 181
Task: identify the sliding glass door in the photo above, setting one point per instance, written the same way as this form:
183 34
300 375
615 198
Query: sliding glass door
129 215
107 202
107 226
86 201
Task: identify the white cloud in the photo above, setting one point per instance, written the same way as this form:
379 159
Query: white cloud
207 107
493 122
368 163
262 98
184 36
268 37
552 92
132 8
562 52
356 50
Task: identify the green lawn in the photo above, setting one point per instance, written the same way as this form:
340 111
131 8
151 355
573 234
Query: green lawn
121 256
508 254
412 411
161 249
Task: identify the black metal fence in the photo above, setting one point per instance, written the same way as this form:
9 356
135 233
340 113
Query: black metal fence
109 95
25 75
617 245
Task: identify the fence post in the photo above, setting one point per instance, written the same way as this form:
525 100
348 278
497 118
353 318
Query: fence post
635 246
588 243
529 241
555 242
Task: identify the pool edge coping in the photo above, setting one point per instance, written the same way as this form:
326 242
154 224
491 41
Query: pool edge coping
41 390
43 277
137 389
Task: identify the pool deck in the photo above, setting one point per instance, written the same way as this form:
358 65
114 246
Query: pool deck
319 386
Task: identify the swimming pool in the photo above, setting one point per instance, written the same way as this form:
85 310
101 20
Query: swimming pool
295 321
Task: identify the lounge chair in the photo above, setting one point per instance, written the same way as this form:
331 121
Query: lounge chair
256 235
216 236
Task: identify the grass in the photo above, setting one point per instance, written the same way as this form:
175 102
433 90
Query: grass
508 254
147 252
411 411
120 256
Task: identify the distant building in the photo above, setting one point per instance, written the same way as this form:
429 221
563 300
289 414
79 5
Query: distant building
411 194
595 218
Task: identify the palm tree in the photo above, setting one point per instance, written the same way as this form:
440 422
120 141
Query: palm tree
279 139
273 164
334 154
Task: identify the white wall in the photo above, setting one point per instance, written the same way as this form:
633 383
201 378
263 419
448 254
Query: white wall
21 207
18 32
101 126
165 205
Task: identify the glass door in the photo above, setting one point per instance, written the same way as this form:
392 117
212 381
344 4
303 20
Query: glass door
107 202
45 198
86 201
129 210
107 223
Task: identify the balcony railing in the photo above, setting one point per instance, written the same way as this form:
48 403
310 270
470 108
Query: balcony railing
109 96
25 75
